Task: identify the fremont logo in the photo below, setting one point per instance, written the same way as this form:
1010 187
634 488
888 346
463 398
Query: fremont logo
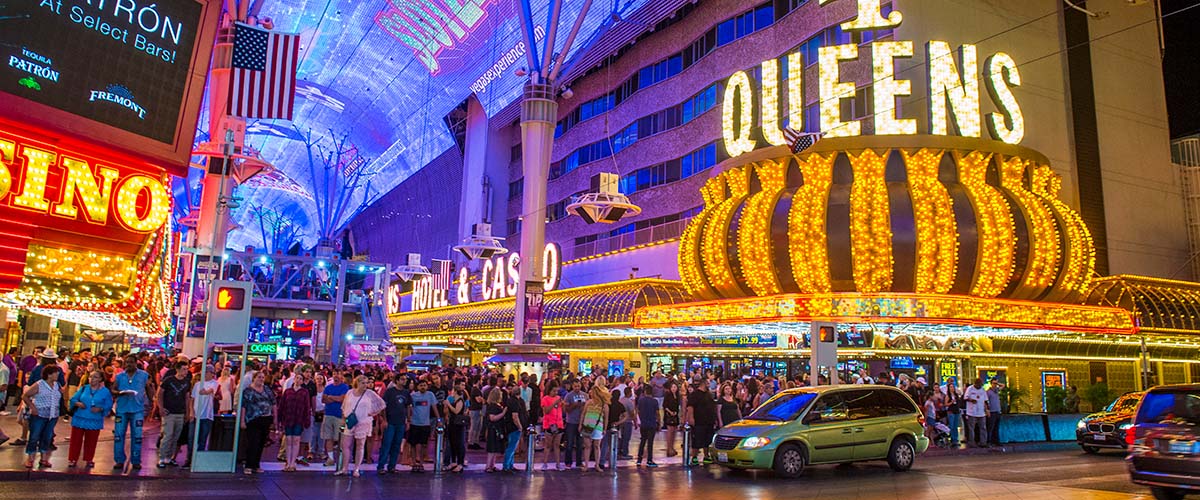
119 95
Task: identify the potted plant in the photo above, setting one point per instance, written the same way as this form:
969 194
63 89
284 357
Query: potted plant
1098 395
1011 398
1055 400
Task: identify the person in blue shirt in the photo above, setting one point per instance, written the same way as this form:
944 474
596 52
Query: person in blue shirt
331 425
91 403
130 388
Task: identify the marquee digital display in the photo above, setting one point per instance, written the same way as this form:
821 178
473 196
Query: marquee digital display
123 63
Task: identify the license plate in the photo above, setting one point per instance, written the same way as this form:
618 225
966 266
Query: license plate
722 457
1096 437
1181 447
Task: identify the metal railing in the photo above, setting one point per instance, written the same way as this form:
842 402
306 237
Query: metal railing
669 230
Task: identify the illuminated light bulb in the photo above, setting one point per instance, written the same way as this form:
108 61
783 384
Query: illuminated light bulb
1001 73
1079 258
737 121
770 104
807 238
33 189
886 88
832 90
934 223
994 225
1042 267
961 89
715 239
870 223
754 241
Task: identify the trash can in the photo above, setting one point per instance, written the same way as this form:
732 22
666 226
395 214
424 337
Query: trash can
224 427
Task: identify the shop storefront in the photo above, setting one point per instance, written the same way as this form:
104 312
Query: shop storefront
87 150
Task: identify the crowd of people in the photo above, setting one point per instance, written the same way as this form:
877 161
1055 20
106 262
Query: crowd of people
348 416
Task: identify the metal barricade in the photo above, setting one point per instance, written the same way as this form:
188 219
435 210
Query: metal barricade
614 435
439 454
532 432
687 445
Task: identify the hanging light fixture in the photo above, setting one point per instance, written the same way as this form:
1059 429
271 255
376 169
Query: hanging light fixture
481 244
413 269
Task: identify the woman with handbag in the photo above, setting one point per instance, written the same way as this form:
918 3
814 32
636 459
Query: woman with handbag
88 406
594 422
456 410
364 404
496 426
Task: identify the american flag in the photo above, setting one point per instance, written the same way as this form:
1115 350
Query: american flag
441 274
800 141
263 80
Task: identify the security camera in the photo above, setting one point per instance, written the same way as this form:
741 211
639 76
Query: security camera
567 93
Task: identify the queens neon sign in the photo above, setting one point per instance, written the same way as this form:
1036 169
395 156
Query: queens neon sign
67 186
953 100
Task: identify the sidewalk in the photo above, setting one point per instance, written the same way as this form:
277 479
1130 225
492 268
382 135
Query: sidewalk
12 458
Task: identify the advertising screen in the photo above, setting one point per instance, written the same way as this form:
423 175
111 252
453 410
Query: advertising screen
127 64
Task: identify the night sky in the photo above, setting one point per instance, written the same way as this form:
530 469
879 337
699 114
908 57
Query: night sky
1182 66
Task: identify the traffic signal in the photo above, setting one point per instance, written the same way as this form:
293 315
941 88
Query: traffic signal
231 298
229 305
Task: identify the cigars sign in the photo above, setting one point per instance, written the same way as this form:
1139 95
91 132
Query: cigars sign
71 190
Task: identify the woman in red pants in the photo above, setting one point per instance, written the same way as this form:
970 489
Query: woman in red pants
90 404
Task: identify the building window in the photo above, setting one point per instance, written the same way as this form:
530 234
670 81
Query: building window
513 226
516 188
516 152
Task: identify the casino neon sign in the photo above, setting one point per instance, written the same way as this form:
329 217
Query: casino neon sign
39 179
953 100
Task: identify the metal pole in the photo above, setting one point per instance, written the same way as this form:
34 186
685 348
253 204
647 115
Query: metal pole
687 445
438 453
614 435
531 431
237 420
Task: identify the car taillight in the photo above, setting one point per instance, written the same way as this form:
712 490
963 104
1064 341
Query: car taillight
1131 435
921 419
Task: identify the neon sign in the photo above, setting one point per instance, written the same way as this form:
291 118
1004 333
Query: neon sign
430 26
71 186
500 277
953 90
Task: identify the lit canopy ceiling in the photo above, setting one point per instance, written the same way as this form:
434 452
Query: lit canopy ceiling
371 69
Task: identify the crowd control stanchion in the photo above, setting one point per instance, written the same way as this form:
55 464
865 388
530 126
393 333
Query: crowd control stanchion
614 435
530 431
439 454
687 445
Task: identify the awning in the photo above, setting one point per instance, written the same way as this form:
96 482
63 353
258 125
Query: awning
1162 306
518 358
423 356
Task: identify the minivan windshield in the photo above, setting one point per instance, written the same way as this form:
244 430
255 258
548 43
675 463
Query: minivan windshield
783 407
1170 407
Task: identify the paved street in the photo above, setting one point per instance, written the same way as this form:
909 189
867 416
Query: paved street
1062 473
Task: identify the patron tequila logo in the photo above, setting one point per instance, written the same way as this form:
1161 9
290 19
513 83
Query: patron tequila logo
34 64
119 95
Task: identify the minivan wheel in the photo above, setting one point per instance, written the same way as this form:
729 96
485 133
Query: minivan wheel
789 460
1090 450
902 455
1167 493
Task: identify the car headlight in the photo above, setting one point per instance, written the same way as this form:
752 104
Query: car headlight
1080 425
1125 426
755 442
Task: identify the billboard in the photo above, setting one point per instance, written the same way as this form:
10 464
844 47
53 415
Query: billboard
124 73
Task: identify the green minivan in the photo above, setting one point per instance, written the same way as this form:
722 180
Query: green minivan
825 425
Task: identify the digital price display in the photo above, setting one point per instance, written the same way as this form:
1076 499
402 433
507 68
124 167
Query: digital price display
123 63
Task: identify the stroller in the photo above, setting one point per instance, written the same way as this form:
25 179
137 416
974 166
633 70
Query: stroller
940 434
